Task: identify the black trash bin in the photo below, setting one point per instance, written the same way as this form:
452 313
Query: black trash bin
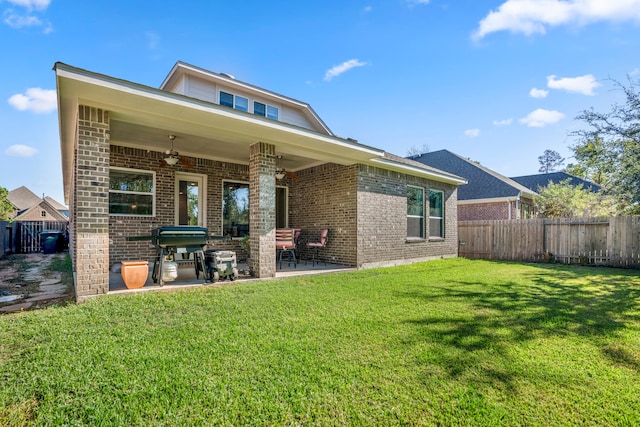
51 241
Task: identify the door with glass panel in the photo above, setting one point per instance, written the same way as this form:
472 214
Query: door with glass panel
190 199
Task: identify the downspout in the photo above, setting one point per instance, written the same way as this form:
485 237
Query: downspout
509 203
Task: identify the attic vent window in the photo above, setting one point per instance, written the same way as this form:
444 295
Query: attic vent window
43 213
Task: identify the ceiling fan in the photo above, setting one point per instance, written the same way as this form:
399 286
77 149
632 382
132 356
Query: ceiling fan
173 158
281 173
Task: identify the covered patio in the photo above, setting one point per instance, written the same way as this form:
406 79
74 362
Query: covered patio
136 158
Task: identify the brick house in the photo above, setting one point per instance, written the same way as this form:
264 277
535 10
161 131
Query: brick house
210 150
29 207
488 194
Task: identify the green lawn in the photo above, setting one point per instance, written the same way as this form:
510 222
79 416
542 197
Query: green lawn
450 342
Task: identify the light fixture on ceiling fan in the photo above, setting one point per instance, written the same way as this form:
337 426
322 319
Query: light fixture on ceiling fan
173 157
281 172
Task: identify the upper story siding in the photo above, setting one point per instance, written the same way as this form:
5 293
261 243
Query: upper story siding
209 91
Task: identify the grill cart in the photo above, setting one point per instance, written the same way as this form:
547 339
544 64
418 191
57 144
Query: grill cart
221 265
172 240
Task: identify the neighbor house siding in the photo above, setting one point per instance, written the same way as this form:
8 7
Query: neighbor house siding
382 219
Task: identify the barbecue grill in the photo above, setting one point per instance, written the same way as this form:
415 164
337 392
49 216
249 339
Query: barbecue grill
178 239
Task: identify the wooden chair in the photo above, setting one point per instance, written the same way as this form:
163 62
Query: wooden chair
286 244
316 246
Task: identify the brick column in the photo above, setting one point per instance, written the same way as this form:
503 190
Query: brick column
90 217
262 208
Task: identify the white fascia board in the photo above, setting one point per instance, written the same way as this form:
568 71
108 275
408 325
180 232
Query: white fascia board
415 171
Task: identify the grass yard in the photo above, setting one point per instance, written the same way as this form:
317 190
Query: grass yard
451 342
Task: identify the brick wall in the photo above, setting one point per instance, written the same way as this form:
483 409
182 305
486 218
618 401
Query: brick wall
90 234
382 219
325 197
123 226
496 210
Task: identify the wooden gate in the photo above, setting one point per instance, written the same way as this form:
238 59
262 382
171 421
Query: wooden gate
27 234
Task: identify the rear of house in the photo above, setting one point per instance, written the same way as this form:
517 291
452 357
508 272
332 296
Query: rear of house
206 149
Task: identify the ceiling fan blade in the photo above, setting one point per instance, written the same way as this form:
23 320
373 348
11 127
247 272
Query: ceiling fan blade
163 163
291 175
184 162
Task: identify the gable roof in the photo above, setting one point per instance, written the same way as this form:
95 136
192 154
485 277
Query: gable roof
483 183
42 205
182 68
23 198
532 182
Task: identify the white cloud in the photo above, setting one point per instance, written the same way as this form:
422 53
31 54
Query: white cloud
535 16
583 84
415 2
31 4
343 68
35 99
367 9
540 118
20 150
153 39
19 21
538 93
472 133
504 122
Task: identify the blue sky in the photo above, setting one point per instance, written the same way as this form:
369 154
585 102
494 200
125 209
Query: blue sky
498 81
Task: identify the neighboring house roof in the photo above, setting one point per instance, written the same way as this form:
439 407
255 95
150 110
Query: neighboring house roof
23 198
533 182
34 213
56 205
483 183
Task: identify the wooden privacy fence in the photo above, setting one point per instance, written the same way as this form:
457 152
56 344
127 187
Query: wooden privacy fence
613 241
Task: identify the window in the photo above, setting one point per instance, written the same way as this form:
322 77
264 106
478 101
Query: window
436 214
259 109
235 209
241 103
226 99
264 110
131 192
272 112
415 212
234 101
43 213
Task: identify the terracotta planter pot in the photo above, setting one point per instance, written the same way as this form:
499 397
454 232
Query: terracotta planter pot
134 273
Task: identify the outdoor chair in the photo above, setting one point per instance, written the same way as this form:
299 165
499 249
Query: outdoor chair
286 244
316 246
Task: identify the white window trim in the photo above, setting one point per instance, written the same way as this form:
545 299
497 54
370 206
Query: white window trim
153 193
202 195
441 218
423 217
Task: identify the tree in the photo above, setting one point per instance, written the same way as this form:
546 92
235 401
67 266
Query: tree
5 206
415 151
563 200
550 161
610 148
